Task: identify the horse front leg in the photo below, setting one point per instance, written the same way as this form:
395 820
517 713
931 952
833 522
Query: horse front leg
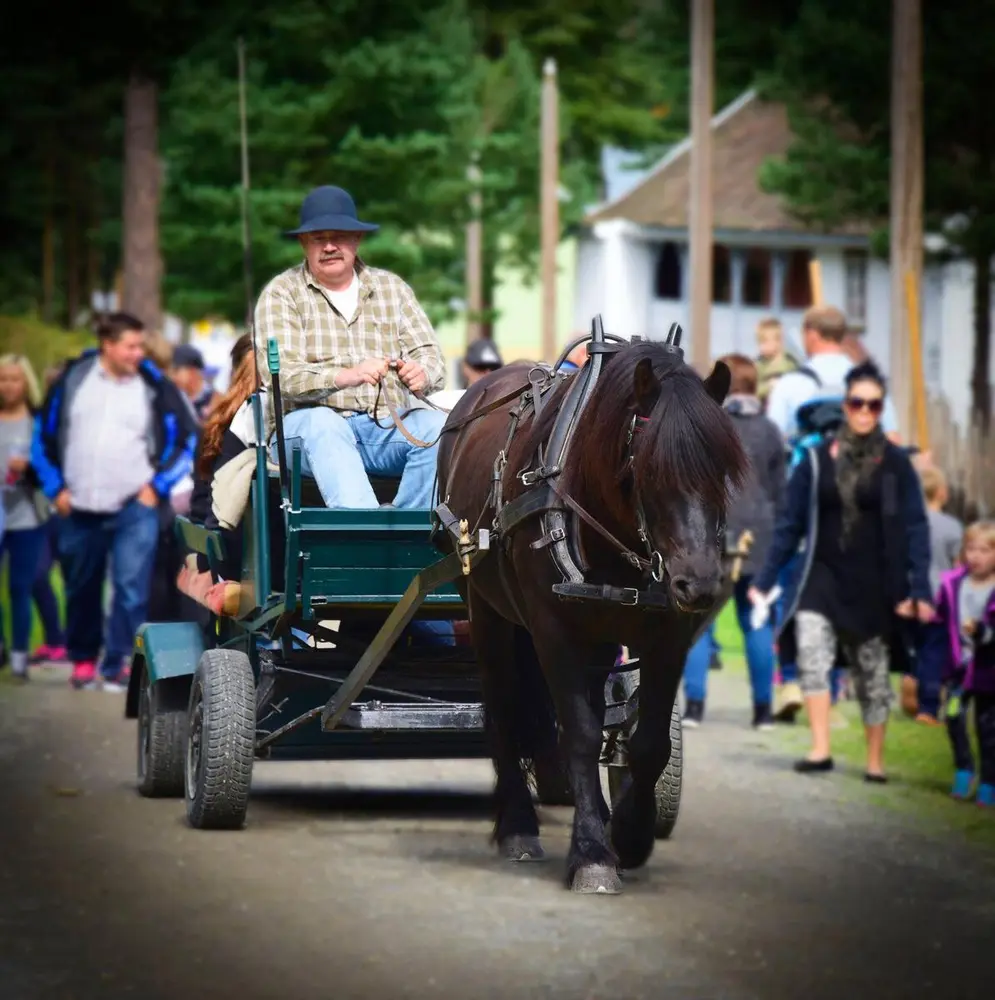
516 826
633 820
591 863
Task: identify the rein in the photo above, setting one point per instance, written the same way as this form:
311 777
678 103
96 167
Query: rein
652 565
508 397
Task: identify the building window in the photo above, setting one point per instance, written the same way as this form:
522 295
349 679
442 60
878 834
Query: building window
668 272
855 278
797 281
756 278
721 274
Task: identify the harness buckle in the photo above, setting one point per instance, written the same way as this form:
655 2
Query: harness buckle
555 535
624 597
543 472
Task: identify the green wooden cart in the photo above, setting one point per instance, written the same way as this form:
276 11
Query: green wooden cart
322 660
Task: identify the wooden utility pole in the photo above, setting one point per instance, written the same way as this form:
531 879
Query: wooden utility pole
141 261
243 120
700 209
550 204
907 169
474 255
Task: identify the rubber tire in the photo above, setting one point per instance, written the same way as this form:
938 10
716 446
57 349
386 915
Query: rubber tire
218 768
160 763
668 785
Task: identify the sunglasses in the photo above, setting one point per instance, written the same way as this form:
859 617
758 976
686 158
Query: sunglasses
855 404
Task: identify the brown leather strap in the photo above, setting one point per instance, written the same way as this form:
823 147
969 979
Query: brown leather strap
630 557
508 397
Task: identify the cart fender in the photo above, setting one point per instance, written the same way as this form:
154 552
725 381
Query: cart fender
166 650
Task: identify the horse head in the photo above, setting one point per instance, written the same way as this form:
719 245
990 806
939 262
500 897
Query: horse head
677 458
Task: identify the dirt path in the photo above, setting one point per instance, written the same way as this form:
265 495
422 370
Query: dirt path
377 880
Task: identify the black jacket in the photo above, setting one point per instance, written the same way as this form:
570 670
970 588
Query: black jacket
754 508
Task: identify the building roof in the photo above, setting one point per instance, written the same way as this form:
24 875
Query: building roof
744 134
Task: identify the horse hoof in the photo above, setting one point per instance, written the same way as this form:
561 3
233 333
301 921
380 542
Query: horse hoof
522 848
597 879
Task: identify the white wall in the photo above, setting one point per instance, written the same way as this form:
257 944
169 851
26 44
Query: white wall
616 272
590 282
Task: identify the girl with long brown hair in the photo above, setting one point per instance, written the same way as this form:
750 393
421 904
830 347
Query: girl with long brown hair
228 430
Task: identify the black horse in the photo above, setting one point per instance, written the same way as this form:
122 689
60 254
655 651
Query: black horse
652 448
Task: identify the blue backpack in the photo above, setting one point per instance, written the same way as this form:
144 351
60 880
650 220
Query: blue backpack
817 419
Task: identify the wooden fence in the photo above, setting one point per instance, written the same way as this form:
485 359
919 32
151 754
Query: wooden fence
967 458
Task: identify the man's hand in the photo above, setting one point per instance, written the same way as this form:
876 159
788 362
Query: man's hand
413 375
367 372
922 610
754 596
148 497
969 627
63 504
17 467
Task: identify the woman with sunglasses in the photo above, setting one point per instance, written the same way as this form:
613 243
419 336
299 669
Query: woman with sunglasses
855 501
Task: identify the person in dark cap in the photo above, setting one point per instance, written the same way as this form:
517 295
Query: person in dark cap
350 337
187 373
481 357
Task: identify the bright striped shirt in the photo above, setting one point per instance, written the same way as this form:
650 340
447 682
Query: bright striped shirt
316 342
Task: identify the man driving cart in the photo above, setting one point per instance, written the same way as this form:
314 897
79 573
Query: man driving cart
354 345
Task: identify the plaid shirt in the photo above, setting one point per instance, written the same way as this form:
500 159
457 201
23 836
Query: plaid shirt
316 342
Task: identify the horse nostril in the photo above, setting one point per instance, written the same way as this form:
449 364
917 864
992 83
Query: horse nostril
682 589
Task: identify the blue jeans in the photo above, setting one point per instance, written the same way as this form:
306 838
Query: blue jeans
759 645
23 548
338 450
932 644
85 542
44 596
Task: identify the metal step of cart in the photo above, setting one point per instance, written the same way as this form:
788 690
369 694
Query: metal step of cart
445 716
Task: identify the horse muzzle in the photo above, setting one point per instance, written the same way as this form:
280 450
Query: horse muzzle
694 593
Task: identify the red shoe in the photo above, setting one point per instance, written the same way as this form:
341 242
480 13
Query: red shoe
49 654
84 675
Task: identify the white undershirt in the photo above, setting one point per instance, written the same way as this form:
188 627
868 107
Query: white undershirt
345 300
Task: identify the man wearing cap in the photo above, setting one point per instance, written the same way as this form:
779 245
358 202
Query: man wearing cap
187 373
481 357
339 324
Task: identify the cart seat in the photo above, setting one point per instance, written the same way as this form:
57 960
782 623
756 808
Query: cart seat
384 487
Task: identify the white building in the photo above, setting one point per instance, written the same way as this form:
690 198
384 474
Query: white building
632 254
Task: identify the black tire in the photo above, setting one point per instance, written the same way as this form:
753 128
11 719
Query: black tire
162 736
220 741
668 785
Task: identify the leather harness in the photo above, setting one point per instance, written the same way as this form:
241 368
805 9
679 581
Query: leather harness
546 499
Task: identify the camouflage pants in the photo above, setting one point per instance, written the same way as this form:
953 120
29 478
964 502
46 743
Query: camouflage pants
868 661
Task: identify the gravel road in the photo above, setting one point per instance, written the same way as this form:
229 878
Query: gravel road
377 880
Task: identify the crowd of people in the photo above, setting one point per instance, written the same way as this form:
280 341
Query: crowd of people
854 569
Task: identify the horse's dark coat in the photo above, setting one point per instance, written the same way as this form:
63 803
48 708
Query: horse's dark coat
685 458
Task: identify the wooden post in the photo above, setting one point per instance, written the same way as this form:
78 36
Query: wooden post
250 299
918 378
550 204
906 195
700 211
815 281
474 255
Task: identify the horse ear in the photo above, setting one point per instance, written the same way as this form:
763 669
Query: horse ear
646 387
718 382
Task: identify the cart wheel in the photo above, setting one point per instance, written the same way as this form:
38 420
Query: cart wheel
162 727
668 785
220 740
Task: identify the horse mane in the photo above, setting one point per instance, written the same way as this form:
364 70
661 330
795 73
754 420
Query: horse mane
689 444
